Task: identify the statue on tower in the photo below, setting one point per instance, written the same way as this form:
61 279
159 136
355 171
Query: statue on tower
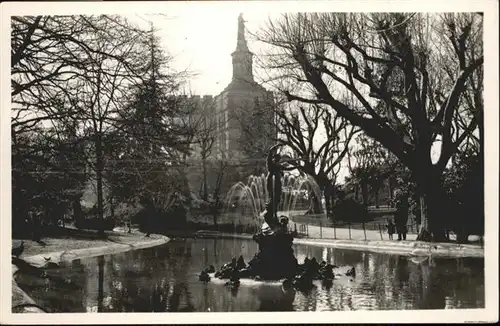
242 42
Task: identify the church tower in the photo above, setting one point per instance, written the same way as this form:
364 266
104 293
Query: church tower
242 57
244 109
241 118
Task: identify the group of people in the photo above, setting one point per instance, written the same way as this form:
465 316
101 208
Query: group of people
401 230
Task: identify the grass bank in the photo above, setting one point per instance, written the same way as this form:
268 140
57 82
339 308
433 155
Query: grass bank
66 244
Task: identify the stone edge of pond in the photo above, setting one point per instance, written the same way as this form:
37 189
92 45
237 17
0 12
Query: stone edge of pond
39 260
407 248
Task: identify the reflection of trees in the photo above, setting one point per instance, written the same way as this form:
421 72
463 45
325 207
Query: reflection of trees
161 279
433 288
100 283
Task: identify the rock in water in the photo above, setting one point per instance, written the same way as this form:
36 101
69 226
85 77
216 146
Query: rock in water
275 259
245 273
326 272
240 264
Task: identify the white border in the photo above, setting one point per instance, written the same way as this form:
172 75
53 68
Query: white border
490 313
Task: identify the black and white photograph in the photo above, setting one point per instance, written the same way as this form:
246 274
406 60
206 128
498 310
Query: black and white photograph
249 161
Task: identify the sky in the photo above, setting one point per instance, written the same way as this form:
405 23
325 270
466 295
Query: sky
200 37
201 42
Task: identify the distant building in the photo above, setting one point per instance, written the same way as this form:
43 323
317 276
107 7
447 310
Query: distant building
240 120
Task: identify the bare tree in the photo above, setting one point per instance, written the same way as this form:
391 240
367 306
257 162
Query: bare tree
408 73
49 56
320 139
69 74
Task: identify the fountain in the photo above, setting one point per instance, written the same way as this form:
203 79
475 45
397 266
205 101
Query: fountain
268 204
248 200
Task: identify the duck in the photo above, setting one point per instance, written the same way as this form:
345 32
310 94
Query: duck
327 283
234 280
326 272
210 269
233 284
303 282
351 272
50 264
204 277
287 283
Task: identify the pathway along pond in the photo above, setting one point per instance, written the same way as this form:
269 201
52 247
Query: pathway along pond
165 278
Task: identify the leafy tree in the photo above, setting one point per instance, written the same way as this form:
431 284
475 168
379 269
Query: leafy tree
369 165
48 174
464 200
150 166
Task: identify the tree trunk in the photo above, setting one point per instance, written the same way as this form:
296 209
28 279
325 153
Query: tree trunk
377 199
431 193
364 193
99 169
205 189
315 203
389 182
328 200
111 207
77 211
215 209
100 283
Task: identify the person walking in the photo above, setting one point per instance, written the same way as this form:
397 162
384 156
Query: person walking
401 217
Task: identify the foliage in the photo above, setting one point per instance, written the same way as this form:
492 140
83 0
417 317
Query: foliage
464 186
347 209
48 173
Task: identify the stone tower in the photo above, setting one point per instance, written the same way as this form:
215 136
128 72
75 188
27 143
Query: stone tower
243 114
244 109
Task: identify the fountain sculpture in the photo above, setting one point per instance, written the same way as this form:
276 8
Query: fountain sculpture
275 259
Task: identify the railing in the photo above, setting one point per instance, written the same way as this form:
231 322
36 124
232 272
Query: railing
321 228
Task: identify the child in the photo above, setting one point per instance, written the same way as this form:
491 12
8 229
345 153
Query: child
391 229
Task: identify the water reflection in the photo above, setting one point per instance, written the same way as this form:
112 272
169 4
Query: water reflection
164 279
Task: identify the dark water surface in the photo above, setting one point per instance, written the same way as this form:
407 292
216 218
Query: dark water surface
165 278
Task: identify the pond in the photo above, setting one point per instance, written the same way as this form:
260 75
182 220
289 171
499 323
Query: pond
165 278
